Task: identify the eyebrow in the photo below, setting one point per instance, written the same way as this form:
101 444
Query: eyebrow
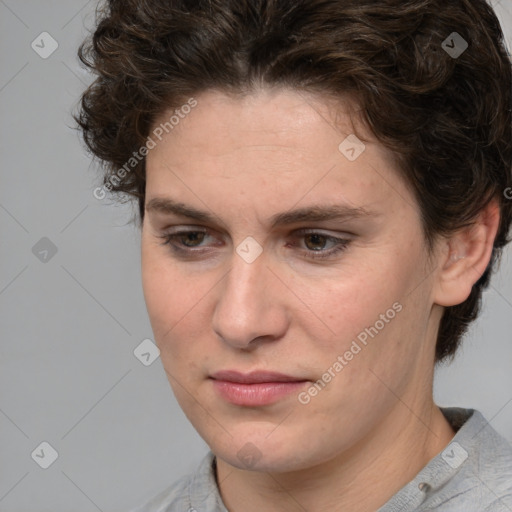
313 213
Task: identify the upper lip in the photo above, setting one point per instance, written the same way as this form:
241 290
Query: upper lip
254 377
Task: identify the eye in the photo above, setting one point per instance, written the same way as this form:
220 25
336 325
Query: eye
192 243
191 238
315 243
184 241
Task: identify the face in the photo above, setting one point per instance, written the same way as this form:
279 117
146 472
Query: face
268 247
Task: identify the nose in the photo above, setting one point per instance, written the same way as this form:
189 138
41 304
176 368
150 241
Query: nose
250 308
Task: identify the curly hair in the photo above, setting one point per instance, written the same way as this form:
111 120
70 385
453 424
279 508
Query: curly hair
446 115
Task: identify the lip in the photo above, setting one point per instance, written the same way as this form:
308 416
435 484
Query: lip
255 377
255 389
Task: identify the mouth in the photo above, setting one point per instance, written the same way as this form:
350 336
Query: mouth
255 389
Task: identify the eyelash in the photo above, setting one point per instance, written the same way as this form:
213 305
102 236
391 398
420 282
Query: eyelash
341 243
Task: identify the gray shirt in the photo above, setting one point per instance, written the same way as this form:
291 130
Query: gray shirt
472 474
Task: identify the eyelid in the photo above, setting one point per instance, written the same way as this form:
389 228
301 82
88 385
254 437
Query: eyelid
322 231
341 243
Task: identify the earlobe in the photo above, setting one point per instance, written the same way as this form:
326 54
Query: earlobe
465 257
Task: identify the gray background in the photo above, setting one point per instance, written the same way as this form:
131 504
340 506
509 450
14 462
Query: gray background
70 324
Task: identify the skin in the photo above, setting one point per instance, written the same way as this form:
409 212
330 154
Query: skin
374 425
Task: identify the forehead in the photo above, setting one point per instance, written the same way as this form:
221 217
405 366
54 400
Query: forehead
277 117
273 144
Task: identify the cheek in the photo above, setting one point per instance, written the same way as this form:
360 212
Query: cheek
345 306
175 303
165 291
371 314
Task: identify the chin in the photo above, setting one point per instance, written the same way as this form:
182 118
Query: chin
259 451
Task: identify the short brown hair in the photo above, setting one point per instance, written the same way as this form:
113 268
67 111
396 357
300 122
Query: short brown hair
447 116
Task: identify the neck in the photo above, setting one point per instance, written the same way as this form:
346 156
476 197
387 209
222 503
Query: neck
361 479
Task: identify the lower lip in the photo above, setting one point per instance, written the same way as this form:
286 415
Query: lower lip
251 395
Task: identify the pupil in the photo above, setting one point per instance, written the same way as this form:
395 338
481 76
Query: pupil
194 237
317 240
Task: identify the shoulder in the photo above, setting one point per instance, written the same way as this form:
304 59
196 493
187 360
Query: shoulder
472 474
196 492
480 460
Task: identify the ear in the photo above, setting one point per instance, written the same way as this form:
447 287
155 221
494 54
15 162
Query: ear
464 257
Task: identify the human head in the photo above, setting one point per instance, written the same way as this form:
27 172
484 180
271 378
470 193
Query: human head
448 119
